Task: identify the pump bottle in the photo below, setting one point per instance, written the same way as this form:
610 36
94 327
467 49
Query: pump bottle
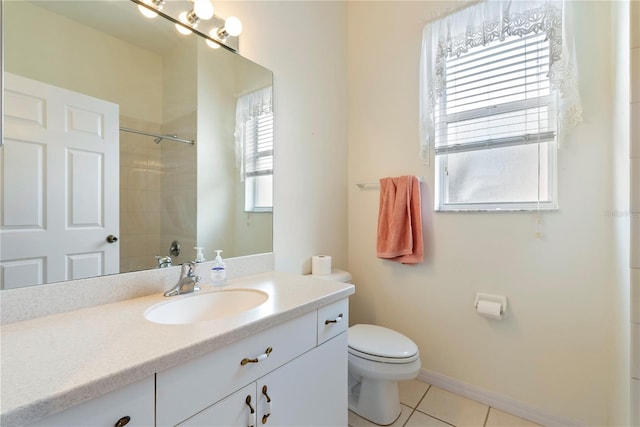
218 272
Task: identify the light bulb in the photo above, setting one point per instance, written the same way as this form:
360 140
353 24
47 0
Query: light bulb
147 12
233 26
213 34
203 9
182 29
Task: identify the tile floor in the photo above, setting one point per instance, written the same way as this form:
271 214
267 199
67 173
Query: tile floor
424 405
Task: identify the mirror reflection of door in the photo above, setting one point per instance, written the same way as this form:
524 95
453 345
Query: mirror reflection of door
59 185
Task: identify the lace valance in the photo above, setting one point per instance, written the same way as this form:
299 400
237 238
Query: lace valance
493 20
254 104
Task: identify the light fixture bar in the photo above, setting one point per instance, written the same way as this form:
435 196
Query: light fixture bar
231 45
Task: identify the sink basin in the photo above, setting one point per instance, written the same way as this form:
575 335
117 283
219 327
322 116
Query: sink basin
200 307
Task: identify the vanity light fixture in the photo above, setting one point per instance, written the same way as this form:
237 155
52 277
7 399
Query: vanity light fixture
202 10
188 16
156 4
232 27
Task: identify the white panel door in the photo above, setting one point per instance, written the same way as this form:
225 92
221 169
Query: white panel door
59 183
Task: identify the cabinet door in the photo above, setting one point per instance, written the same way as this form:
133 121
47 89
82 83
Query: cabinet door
237 410
308 391
132 406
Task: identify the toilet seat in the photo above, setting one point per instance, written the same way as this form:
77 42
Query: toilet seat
380 344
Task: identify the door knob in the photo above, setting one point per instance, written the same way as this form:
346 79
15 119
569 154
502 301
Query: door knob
111 238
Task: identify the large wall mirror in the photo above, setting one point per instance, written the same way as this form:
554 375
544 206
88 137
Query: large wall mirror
122 137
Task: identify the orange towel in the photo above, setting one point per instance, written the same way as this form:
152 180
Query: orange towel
400 220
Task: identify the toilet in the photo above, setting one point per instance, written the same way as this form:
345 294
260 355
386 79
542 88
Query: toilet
378 358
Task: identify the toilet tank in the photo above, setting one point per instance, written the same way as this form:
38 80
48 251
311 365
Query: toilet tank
336 275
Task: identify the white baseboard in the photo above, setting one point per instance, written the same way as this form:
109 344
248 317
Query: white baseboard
495 400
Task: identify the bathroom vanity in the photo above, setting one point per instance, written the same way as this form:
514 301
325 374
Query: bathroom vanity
283 362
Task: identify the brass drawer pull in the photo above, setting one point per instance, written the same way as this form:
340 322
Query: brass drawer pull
252 411
267 410
263 356
122 421
336 320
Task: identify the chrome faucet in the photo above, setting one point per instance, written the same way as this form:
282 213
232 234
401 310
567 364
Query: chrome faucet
187 283
164 261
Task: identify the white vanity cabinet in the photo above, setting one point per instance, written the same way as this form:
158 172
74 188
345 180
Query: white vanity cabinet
132 406
304 376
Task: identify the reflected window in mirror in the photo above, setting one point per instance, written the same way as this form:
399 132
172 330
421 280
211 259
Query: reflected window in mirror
254 147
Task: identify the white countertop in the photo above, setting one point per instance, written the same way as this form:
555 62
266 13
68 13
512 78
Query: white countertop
51 363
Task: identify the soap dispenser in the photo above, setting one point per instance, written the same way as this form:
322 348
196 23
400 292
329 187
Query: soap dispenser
219 270
199 255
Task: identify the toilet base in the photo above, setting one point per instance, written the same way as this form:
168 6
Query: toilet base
377 401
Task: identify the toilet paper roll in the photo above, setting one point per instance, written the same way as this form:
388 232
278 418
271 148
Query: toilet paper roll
321 264
490 309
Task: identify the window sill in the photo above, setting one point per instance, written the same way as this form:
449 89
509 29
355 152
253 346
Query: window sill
258 210
476 208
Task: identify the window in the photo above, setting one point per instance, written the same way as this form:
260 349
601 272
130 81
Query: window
254 148
498 91
258 160
495 138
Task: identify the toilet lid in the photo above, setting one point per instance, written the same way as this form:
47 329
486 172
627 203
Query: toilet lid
381 342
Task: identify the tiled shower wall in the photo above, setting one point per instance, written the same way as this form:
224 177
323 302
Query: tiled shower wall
157 193
635 212
179 185
140 196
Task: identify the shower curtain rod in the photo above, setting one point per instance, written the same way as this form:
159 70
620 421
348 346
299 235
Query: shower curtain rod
159 137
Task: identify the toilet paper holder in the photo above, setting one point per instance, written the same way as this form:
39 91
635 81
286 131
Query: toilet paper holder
500 299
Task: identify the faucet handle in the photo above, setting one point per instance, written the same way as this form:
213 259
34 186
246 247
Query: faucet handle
187 269
163 261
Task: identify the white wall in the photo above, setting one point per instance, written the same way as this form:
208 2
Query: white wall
635 210
216 199
555 350
619 397
304 44
131 84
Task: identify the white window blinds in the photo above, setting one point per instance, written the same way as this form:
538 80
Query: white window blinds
496 96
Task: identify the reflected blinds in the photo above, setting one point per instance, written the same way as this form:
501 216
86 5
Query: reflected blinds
259 145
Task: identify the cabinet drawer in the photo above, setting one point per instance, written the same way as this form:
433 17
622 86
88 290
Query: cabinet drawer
333 319
189 388
134 401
